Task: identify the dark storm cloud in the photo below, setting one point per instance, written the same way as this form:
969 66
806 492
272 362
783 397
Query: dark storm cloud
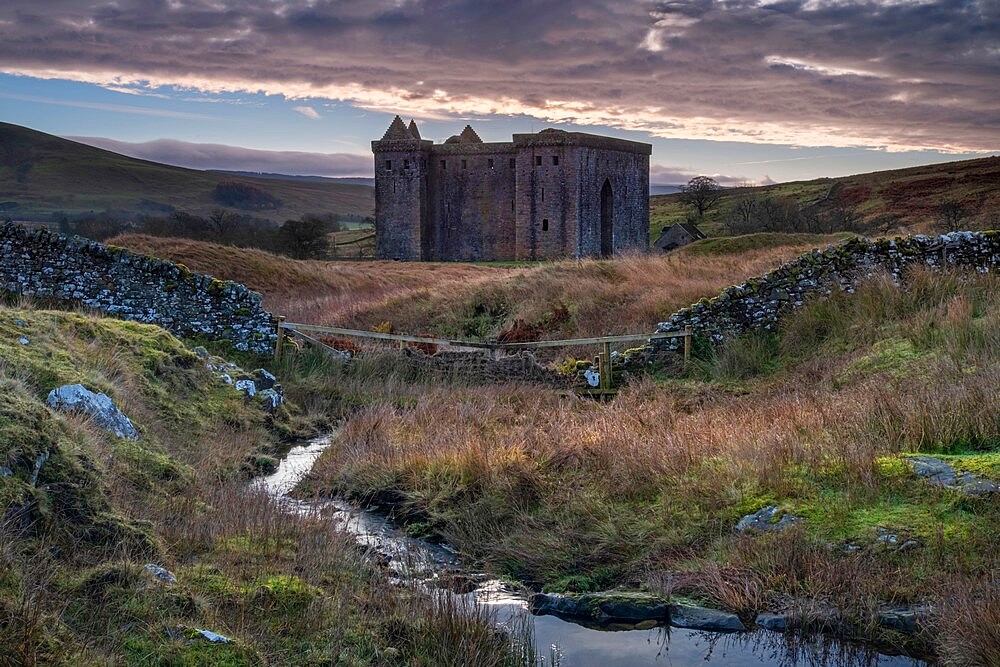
899 74
217 156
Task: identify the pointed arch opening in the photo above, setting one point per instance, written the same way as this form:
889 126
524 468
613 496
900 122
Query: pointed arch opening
607 220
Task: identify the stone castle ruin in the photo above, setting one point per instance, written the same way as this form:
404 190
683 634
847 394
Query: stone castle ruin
546 195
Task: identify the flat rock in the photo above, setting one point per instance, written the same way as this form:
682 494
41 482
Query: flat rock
161 573
940 473
703 618
772 621
603 607
99 407
213 637
901 619
766 520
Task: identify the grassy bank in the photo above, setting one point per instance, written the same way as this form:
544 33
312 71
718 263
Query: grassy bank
569 494
545 300
74 540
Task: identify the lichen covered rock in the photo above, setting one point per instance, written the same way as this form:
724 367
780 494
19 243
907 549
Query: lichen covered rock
99 407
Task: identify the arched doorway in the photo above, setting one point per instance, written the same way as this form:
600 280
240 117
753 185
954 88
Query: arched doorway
607 220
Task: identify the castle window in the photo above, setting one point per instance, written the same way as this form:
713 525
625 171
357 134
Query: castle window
538 160
555 160
513 163
465 164
489 163
406 164
388 165
444 164
543 194
512 209
545 224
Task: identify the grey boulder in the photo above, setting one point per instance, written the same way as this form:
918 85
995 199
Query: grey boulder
161 573
703 618
940 473
99 407
766 520
603 607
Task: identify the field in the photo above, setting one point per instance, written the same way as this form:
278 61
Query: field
557 299
817 419
41 174
911 196
561 493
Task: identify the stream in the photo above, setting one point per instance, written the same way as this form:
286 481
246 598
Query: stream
559 641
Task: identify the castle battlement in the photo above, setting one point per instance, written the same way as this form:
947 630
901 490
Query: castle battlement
544 195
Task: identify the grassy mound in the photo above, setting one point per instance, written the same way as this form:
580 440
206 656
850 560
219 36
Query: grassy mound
83 512
550 300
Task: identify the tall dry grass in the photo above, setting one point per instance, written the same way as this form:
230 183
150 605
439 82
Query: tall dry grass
625 295
551 488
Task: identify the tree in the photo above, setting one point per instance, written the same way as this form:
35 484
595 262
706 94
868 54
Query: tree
701 192
305 238
950 216
223 223
742 213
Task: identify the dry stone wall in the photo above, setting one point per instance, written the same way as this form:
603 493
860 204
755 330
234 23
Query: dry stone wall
133 287
759 303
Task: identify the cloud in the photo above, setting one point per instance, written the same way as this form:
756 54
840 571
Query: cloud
308 112
234 158
892 74
105 106
663 175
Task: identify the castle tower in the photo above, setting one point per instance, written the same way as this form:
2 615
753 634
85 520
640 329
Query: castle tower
401 193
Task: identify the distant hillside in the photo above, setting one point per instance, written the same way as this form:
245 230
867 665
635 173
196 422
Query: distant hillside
41 173
351 180
913 196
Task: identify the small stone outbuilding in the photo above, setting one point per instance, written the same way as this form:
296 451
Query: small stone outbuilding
678 235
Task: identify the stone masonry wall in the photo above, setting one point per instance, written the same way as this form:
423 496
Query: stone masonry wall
133 287
760 303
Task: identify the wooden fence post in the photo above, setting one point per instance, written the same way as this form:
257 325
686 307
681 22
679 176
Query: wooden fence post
279 341
606 372
687 345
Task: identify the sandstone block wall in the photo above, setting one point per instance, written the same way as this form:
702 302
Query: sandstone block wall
761 302
133 287
540 196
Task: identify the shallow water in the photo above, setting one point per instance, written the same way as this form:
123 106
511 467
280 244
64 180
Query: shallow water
557 641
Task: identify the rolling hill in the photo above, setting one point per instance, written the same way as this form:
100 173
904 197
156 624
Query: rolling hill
41 173
913 196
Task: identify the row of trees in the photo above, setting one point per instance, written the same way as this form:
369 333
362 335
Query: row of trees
305 238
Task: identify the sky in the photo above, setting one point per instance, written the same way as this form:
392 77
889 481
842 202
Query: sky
742 90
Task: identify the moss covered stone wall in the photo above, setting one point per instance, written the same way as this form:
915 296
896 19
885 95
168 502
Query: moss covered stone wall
760 302
132 287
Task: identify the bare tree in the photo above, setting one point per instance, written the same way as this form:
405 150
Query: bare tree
223 223
742 213
701 192
950 216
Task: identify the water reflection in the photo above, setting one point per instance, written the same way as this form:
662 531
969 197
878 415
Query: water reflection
560 642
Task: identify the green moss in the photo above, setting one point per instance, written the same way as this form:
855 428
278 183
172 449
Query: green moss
183 647
286 594
897 357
